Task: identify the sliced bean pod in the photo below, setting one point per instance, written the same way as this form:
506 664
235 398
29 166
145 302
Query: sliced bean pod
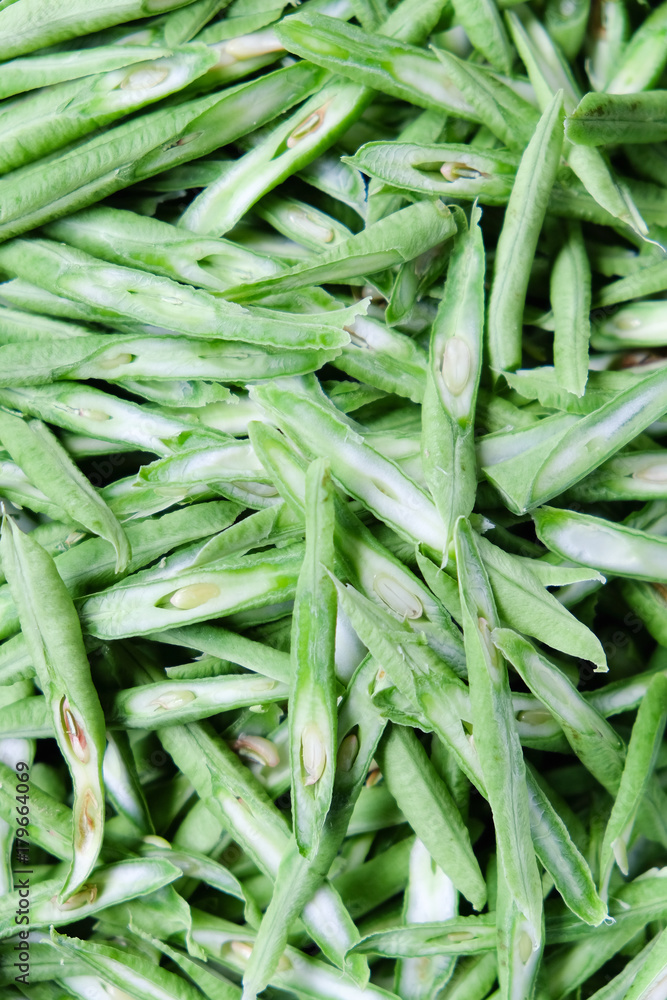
600 119
49 468
133 240
121 969
643 748
106 886
593 541
429 896
54 640
518 959
518 239
458 936
53 117
401 237
80 408
561 858
130 293
448 410
582 447
390 66
431 812
245 808
593 740
442 169
312 710
308 416
265 580
495 737
140 148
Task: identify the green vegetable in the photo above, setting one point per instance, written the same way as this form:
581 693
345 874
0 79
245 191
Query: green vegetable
333 576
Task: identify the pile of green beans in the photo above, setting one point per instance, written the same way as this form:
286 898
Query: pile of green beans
333 558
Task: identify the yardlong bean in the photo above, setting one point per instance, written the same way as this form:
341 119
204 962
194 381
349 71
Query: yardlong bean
333 411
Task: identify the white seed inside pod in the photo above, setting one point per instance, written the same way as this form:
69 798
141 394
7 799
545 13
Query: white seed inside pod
347 752
313 753
144 78
525 947
257 748
74 732
86 894
259 43
88 821
534 717
397 597
242 949
193 596
115 361
310 225
172 699
456 365
154 841
307 126
99 415
620 850
653 473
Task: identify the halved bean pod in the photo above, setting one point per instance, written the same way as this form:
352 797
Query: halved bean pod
312 708
517 242
593 541
266 580
133 240
24 74
455 362
296 142
643 749
496 740
593 740
303 410
429 896
140 148
638 476
166 362
401 237
600 119
52 118
442 169
49 468
105 887
81 408
245 808
582 447
128 293
90 564
120 968
53 637
458 936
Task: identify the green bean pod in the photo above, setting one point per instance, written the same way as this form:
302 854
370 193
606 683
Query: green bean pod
455 362
49 468
640 762
518 239
600 119
496 740
257 581
55 643
593 541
